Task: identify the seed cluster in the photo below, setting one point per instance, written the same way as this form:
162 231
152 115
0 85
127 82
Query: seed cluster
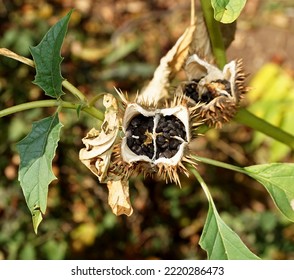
155 137
139 136
191 90
170 133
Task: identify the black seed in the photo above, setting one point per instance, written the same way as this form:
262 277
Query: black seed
165 129
160 126
182 134
145 149
160 140
191 91
130 141
135 122
206 97
171 126
173 133
148 151
142 130
137 150
178 124
164 145
174 152
150 124
174 144
167 154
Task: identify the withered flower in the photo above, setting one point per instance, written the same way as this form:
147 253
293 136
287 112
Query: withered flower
97 156
219 91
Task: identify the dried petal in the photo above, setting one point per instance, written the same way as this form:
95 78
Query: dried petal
118 197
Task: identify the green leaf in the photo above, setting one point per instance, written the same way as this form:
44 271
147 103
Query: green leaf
226 11
37 151
47 59
278 179
221 242
217 239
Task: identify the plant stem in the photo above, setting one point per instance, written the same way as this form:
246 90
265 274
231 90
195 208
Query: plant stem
51 103
27 106
220 164
215 35
243 116
73 90
203 184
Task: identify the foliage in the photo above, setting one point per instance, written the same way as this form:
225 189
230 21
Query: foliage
37 151
47 59
226 11
220 242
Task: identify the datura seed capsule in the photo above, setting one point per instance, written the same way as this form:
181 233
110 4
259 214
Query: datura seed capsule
218 91
155 136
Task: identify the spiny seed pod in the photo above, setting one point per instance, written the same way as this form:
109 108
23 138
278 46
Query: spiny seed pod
155 139
218 92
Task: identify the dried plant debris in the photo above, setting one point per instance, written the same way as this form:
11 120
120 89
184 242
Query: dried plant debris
99 144
119 198
170 64
218 91
97 157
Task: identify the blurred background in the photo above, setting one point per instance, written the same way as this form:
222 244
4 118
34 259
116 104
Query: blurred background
119 43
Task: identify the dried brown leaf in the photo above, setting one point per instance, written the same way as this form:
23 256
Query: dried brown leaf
169 65
118 197
200 44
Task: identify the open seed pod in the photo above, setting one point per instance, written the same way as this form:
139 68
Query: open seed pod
156 140
218 92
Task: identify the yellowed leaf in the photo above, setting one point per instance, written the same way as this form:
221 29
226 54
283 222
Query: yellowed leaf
118 197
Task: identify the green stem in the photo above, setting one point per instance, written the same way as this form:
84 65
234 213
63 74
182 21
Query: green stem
27 106
203 184
51 103
215 35
245 117
66 84
220 164
73 90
